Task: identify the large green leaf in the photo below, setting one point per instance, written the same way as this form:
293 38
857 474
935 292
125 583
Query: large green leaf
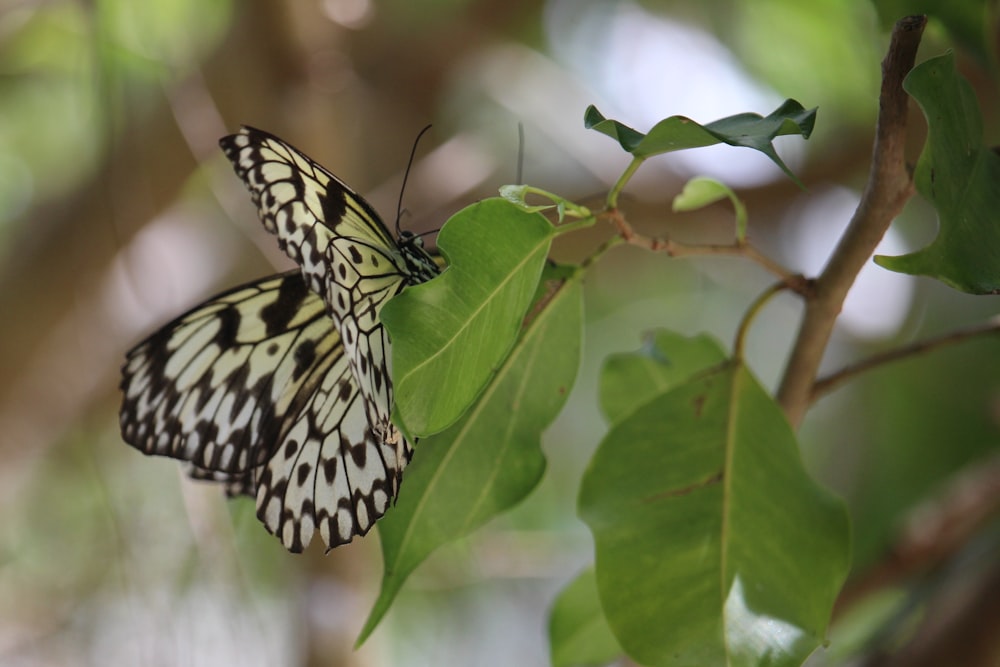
713 545
961 178
578 631
450 334
676 133
665 360
490 459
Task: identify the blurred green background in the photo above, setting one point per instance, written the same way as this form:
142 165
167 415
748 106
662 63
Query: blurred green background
118 211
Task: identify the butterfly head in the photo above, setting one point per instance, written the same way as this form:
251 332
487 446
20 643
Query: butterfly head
418 260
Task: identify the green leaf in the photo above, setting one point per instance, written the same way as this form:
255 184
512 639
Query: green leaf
450 334
713 545
679 132
517 195
631 379
578 632
491 459
960 177
702 191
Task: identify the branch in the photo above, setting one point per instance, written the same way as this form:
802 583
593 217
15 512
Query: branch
959 627
825 385
934 532
888 188
794 281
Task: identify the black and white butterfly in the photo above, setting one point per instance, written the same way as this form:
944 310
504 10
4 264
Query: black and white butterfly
281 389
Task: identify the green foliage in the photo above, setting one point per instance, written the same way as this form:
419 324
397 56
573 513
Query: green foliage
676 133
963 19
152 35
836 55
461 478
959 176
630 380
701 191
701 492
518 194
454 331
578 631
920 410
712 543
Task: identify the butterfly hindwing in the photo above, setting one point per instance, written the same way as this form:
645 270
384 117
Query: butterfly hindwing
215 386
253 390
331 472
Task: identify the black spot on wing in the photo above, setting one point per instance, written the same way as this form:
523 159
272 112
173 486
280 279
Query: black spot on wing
305 356
346 389
229 326
359 454
330 469
333 203
278 315
303 472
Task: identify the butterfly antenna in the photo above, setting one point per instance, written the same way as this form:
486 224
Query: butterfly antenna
428 232
406 175
520 154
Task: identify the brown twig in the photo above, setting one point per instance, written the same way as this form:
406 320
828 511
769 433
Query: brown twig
889 187
827 384
794 281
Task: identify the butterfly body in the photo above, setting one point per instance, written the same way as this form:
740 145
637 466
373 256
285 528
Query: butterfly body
281 388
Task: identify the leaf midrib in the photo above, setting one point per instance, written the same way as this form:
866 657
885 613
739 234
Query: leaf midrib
476 312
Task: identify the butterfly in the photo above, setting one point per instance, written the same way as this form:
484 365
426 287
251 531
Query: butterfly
281 388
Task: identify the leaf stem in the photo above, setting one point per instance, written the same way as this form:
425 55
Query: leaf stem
571 208
581 223
752 312
599 252
633 166
825 385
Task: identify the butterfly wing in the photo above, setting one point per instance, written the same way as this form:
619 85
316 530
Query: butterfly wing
345 251
363 286
216 386
259 389
253 390
303 204
331 472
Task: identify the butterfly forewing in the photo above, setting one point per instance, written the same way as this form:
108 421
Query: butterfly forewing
281 389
